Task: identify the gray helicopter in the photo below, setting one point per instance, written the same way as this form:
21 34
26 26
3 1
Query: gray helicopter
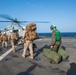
15 26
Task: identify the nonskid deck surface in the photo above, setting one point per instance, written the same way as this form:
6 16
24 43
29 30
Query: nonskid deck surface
15 64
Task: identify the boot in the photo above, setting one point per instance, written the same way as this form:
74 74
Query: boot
14 50
7 47
2 46
31 57
53 62
23 56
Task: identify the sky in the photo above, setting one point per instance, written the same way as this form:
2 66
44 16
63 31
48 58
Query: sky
61 13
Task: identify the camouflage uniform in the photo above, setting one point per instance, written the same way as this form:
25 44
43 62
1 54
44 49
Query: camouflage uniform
27 44
56 40
0 36
14 36
4 39
30 36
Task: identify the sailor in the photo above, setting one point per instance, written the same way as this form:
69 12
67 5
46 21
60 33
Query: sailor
56 38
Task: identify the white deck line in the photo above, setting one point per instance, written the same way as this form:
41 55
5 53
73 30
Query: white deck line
5 54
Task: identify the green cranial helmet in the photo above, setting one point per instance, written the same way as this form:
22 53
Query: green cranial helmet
52 27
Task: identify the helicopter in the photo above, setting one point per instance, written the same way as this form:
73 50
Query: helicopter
16 24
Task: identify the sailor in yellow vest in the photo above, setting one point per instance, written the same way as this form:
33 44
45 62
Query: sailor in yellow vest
29 37
14 36
4 39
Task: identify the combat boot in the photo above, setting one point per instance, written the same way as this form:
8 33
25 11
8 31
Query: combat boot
7 47
53 62
14 50
2 46
31 57
23 56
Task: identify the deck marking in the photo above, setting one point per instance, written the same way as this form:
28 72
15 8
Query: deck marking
6 53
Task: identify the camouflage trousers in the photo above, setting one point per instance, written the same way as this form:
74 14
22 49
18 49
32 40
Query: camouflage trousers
27 45
56 46
14 44
4 43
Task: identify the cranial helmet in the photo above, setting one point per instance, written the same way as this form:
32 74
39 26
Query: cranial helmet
52 27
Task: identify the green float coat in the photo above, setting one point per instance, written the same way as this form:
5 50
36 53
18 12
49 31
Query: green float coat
58 35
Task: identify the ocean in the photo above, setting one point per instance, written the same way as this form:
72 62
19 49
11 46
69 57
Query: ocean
65 34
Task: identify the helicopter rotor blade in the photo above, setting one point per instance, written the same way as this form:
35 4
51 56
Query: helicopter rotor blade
27 21
16 21
34 21
9 18
6 17
5 21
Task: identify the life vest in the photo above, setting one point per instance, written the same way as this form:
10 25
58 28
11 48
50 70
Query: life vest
58 35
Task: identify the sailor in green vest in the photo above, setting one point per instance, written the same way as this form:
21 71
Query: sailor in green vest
55 39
